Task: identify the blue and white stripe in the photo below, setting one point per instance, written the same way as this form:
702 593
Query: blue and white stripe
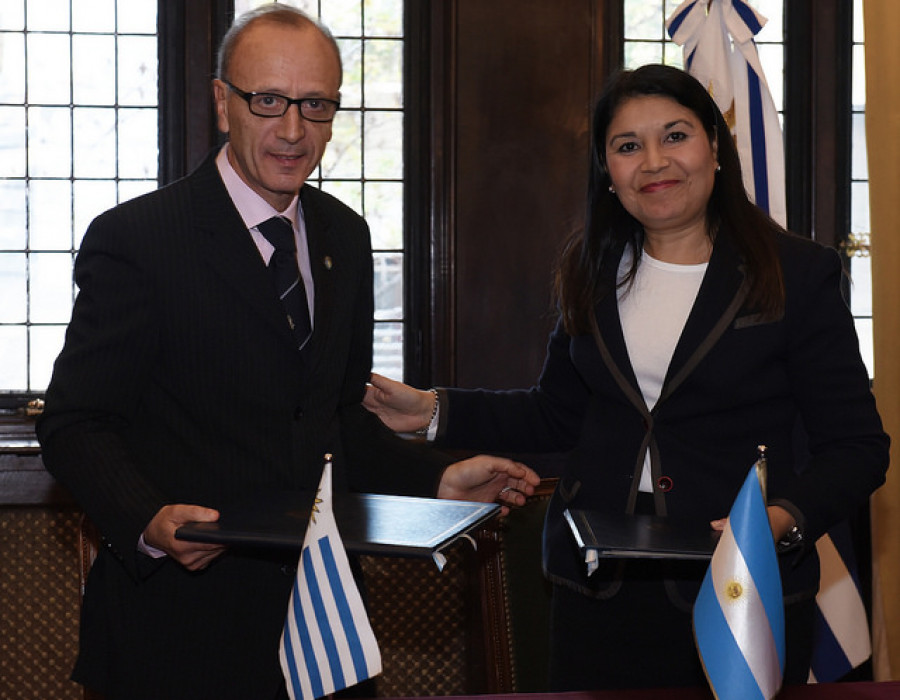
327 643
739 614
842 638
720 51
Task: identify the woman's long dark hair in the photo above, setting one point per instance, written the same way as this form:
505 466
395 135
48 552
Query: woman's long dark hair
588 266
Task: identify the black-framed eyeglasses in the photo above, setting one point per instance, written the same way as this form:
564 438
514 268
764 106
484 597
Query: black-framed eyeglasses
271 105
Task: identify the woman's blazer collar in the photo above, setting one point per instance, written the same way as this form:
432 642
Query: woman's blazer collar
720 298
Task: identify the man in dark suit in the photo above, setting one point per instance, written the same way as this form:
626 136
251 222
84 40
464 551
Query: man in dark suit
183 384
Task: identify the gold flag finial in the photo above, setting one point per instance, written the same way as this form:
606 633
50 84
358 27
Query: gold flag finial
762 469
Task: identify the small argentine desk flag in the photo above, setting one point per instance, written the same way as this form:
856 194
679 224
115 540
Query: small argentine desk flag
739 614
327 644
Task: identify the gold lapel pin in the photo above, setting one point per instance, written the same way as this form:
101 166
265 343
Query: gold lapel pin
327 262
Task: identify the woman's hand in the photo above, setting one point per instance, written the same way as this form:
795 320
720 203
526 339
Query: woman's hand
400 407
780 521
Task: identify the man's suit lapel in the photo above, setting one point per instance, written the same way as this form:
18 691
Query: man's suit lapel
325 257
229 248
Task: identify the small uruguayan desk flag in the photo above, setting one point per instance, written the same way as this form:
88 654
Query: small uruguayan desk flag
327 643
739 614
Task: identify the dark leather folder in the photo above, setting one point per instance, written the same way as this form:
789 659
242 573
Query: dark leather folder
620 535
368 523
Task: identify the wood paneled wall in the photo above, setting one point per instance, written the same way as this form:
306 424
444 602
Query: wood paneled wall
512 88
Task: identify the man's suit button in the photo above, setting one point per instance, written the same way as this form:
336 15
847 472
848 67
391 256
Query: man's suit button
298 413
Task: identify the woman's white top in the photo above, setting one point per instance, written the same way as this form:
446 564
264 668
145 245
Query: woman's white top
653 310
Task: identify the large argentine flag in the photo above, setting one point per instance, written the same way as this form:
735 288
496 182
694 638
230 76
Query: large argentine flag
327 643
720 52
739 614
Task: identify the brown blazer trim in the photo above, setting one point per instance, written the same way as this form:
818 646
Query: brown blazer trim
711 339
751 320
638 401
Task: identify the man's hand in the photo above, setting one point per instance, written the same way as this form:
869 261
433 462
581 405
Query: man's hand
486 478
400 407
160 533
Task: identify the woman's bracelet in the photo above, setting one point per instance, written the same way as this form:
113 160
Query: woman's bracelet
434 409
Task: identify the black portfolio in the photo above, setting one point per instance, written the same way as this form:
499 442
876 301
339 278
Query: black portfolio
641 536
368 523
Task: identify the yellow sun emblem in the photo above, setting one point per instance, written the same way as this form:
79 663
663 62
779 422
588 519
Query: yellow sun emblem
734 590
315 506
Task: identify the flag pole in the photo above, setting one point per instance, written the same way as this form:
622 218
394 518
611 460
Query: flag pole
762 470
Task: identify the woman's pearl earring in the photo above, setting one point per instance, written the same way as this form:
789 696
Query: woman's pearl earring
612 189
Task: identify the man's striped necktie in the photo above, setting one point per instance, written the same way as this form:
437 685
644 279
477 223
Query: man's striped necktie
286 276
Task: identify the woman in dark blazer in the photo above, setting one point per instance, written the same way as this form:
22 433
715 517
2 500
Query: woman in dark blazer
692 329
